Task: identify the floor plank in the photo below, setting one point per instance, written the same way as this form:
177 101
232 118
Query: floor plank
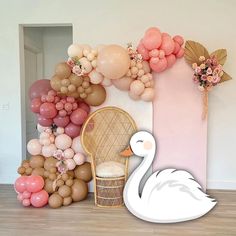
84 219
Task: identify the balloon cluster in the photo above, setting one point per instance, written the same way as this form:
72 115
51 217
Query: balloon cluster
67 83
64 112
138 80
160 49
41 178
30 191
59 145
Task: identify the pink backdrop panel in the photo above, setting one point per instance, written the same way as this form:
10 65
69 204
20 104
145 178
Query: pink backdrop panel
180 132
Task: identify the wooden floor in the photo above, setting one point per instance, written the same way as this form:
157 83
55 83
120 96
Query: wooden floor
84 219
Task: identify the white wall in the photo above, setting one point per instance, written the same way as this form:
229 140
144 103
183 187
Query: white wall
94 22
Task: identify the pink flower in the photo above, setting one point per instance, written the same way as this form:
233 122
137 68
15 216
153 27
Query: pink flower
209 71
77 70
70 62
62 167
59 155
216 79
198 70
209 78
195 79
194 66
204 77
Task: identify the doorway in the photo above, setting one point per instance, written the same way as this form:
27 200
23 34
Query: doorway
43 48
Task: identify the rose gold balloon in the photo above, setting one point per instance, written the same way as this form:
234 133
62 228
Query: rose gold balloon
123 83
98 95
113 61
62 70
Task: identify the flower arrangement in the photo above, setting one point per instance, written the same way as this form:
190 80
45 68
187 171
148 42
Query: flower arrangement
208 68
208 73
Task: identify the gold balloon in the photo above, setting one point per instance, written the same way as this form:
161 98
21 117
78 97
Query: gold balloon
62 70
36 161
67 201
75 80
38 171
79 190
49 163
21 170
55 200
64 191
113 61
48 186
84 172
56 83
97 96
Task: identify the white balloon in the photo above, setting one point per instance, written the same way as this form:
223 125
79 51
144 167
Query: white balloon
95 77
76 145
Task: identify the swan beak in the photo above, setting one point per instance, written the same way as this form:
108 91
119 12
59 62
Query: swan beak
127 152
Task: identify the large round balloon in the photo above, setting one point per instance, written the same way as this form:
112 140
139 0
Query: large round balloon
113 61
97 97
39 88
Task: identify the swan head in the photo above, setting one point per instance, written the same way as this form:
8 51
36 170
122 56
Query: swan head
141 144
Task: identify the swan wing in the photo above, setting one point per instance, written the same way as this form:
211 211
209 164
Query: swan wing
173 195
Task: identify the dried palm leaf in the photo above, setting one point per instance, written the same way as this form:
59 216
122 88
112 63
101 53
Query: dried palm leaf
221 56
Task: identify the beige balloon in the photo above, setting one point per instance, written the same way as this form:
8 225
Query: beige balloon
62 70
113 61
123 83
56 83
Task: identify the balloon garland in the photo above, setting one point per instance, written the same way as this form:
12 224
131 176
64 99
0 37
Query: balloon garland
57 172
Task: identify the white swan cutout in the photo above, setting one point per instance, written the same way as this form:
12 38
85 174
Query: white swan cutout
168 195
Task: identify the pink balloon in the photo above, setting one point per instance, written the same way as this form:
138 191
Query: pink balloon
63 141
26 194
72 130
78 116
179 39
177 48
20 197
44 121
35 105
26 202
61 121
151 30
84 106
160 66
76 145
143 51
34 147
39 199
180 53
171 59
167 44
34 183
152 39
20 184
48 110
79 158
39 88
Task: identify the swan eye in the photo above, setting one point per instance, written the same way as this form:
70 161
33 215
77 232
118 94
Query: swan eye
139 141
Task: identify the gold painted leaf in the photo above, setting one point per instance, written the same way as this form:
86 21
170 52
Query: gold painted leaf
221 55
225 77
193 50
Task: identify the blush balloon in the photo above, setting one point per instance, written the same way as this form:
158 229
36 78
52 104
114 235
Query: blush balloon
180 53
78 116
79 158
61 121
26 202
179 39
171 59
34 183
35 105
63 141
39 199
39 88
177 48
123 83
160 66
143 51
44 121
167 44
72 130
152 39
20 184
34 147
76 145
48 110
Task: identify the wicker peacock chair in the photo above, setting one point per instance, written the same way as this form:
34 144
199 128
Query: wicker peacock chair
104 135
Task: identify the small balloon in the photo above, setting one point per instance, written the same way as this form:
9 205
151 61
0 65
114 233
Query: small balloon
123 83
72 130
44 121
34 183
34 147
62 70
97 97
78 116
35 105
48 110
20 184
63 141
39 199
61 121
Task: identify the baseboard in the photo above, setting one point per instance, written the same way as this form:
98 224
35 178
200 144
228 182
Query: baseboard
219 184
